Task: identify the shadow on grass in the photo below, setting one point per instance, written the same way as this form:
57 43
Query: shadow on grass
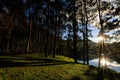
18 61
76 78
105 73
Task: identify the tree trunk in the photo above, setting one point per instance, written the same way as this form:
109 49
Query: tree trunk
101 24
74 32
86 32
29 37
30 28
84 52
46 46
84 36
55 29
8 40
10 26
47 33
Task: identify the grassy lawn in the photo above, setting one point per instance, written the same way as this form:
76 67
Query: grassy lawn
35 67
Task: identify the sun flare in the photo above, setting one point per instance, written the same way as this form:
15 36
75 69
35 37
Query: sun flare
100 38
103 62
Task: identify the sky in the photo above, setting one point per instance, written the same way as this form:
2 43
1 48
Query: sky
95 32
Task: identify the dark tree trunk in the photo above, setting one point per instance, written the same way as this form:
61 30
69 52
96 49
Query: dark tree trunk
30 29
55 41
30 33
74 32
84 40
55 29
8 40
54 44
84 52
86 32
101 24
46 46
10 26
47 33
87 47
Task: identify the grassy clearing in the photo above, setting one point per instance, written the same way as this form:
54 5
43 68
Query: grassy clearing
34 67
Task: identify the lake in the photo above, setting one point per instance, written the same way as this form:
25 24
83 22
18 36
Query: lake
110 64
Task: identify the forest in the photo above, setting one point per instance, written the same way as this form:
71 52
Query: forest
60 27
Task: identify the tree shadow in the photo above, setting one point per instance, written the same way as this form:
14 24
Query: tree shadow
76 78
105 73
18 61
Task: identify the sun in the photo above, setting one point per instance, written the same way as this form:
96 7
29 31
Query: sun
100 38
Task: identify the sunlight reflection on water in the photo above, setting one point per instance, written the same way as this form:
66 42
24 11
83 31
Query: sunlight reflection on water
112 64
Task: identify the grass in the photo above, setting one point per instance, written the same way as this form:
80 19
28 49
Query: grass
35 67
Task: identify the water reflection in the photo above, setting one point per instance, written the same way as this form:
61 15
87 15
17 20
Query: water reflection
110 64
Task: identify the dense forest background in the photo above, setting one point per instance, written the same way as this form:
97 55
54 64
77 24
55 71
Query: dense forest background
38 26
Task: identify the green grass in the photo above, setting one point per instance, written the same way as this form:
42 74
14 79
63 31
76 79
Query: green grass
35 67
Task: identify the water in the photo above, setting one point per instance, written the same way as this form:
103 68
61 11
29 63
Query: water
110 64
